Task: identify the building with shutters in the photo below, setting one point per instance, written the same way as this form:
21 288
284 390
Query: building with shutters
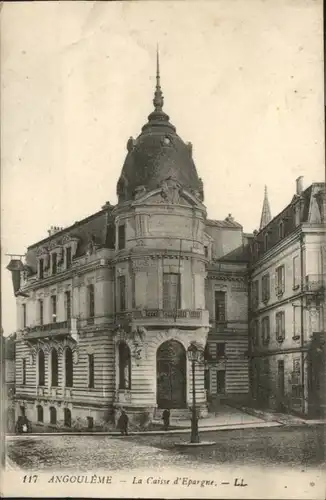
287 304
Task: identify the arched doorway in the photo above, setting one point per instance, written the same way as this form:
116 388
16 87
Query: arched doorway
171 366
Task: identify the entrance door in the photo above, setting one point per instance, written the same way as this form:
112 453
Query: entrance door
171 368
280 372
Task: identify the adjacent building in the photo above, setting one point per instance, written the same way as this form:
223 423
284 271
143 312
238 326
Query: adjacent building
287 303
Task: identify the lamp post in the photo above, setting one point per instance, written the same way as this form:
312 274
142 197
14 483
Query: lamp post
194 354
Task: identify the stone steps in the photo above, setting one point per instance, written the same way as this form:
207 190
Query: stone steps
175 413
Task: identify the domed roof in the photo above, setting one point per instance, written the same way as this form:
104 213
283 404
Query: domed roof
157 155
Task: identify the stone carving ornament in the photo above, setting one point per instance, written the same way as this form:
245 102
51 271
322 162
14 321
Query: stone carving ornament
170 191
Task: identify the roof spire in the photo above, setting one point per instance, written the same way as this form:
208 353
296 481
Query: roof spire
266 216
158 95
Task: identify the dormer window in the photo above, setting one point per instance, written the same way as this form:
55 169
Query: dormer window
41 268
281 230
68 258
54 263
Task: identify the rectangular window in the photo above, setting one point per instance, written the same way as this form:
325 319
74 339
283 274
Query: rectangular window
54 308
91 371
68 305
171 291
91 301
220 350
206 251
280 280
24 372
265 330
296 272
255 294
68 258
54 263
280 375
121 237
24 315
220 382
41 311
280 325
265 288
255 332
122 292
220 307
296 321
41 269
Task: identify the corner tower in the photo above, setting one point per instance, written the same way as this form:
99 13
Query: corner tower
160 269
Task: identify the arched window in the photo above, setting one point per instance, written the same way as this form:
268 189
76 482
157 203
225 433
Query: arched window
68 367
41 368
39 413
53 415
54 368
67 417
124 366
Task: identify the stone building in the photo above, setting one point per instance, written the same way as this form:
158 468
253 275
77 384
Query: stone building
107 307
287 304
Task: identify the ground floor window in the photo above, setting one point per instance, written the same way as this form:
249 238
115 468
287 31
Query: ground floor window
39 413
67 417
90 422
220 382
53 415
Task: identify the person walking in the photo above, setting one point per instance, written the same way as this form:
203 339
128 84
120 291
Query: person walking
166 419
123 423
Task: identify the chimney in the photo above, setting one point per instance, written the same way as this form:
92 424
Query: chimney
54 229
299 182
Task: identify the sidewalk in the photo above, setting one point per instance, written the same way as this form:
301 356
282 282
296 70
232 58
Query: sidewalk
227 418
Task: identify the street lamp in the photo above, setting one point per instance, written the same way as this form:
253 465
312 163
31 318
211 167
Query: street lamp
194 355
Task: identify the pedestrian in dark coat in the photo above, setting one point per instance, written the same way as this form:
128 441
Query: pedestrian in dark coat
123 423
166 419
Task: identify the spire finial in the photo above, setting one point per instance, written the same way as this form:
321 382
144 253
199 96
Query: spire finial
266 211
158 95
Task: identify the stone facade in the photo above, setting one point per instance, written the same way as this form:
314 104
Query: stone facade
287 280
108 307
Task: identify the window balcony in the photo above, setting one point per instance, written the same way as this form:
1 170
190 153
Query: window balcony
315 283
49 329
159 317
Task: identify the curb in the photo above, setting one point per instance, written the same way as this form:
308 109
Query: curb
226 427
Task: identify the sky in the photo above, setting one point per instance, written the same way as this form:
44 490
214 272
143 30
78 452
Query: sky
242 81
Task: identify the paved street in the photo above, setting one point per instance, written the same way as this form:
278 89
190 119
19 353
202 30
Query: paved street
293 447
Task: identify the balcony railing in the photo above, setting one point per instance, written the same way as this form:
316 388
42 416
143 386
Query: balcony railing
315 283
59 327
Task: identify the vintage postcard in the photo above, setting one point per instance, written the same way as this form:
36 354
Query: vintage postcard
163 249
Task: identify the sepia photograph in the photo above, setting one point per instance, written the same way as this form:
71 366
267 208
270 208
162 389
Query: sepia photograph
163 257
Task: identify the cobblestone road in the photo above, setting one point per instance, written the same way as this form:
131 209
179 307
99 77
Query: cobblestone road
291 446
